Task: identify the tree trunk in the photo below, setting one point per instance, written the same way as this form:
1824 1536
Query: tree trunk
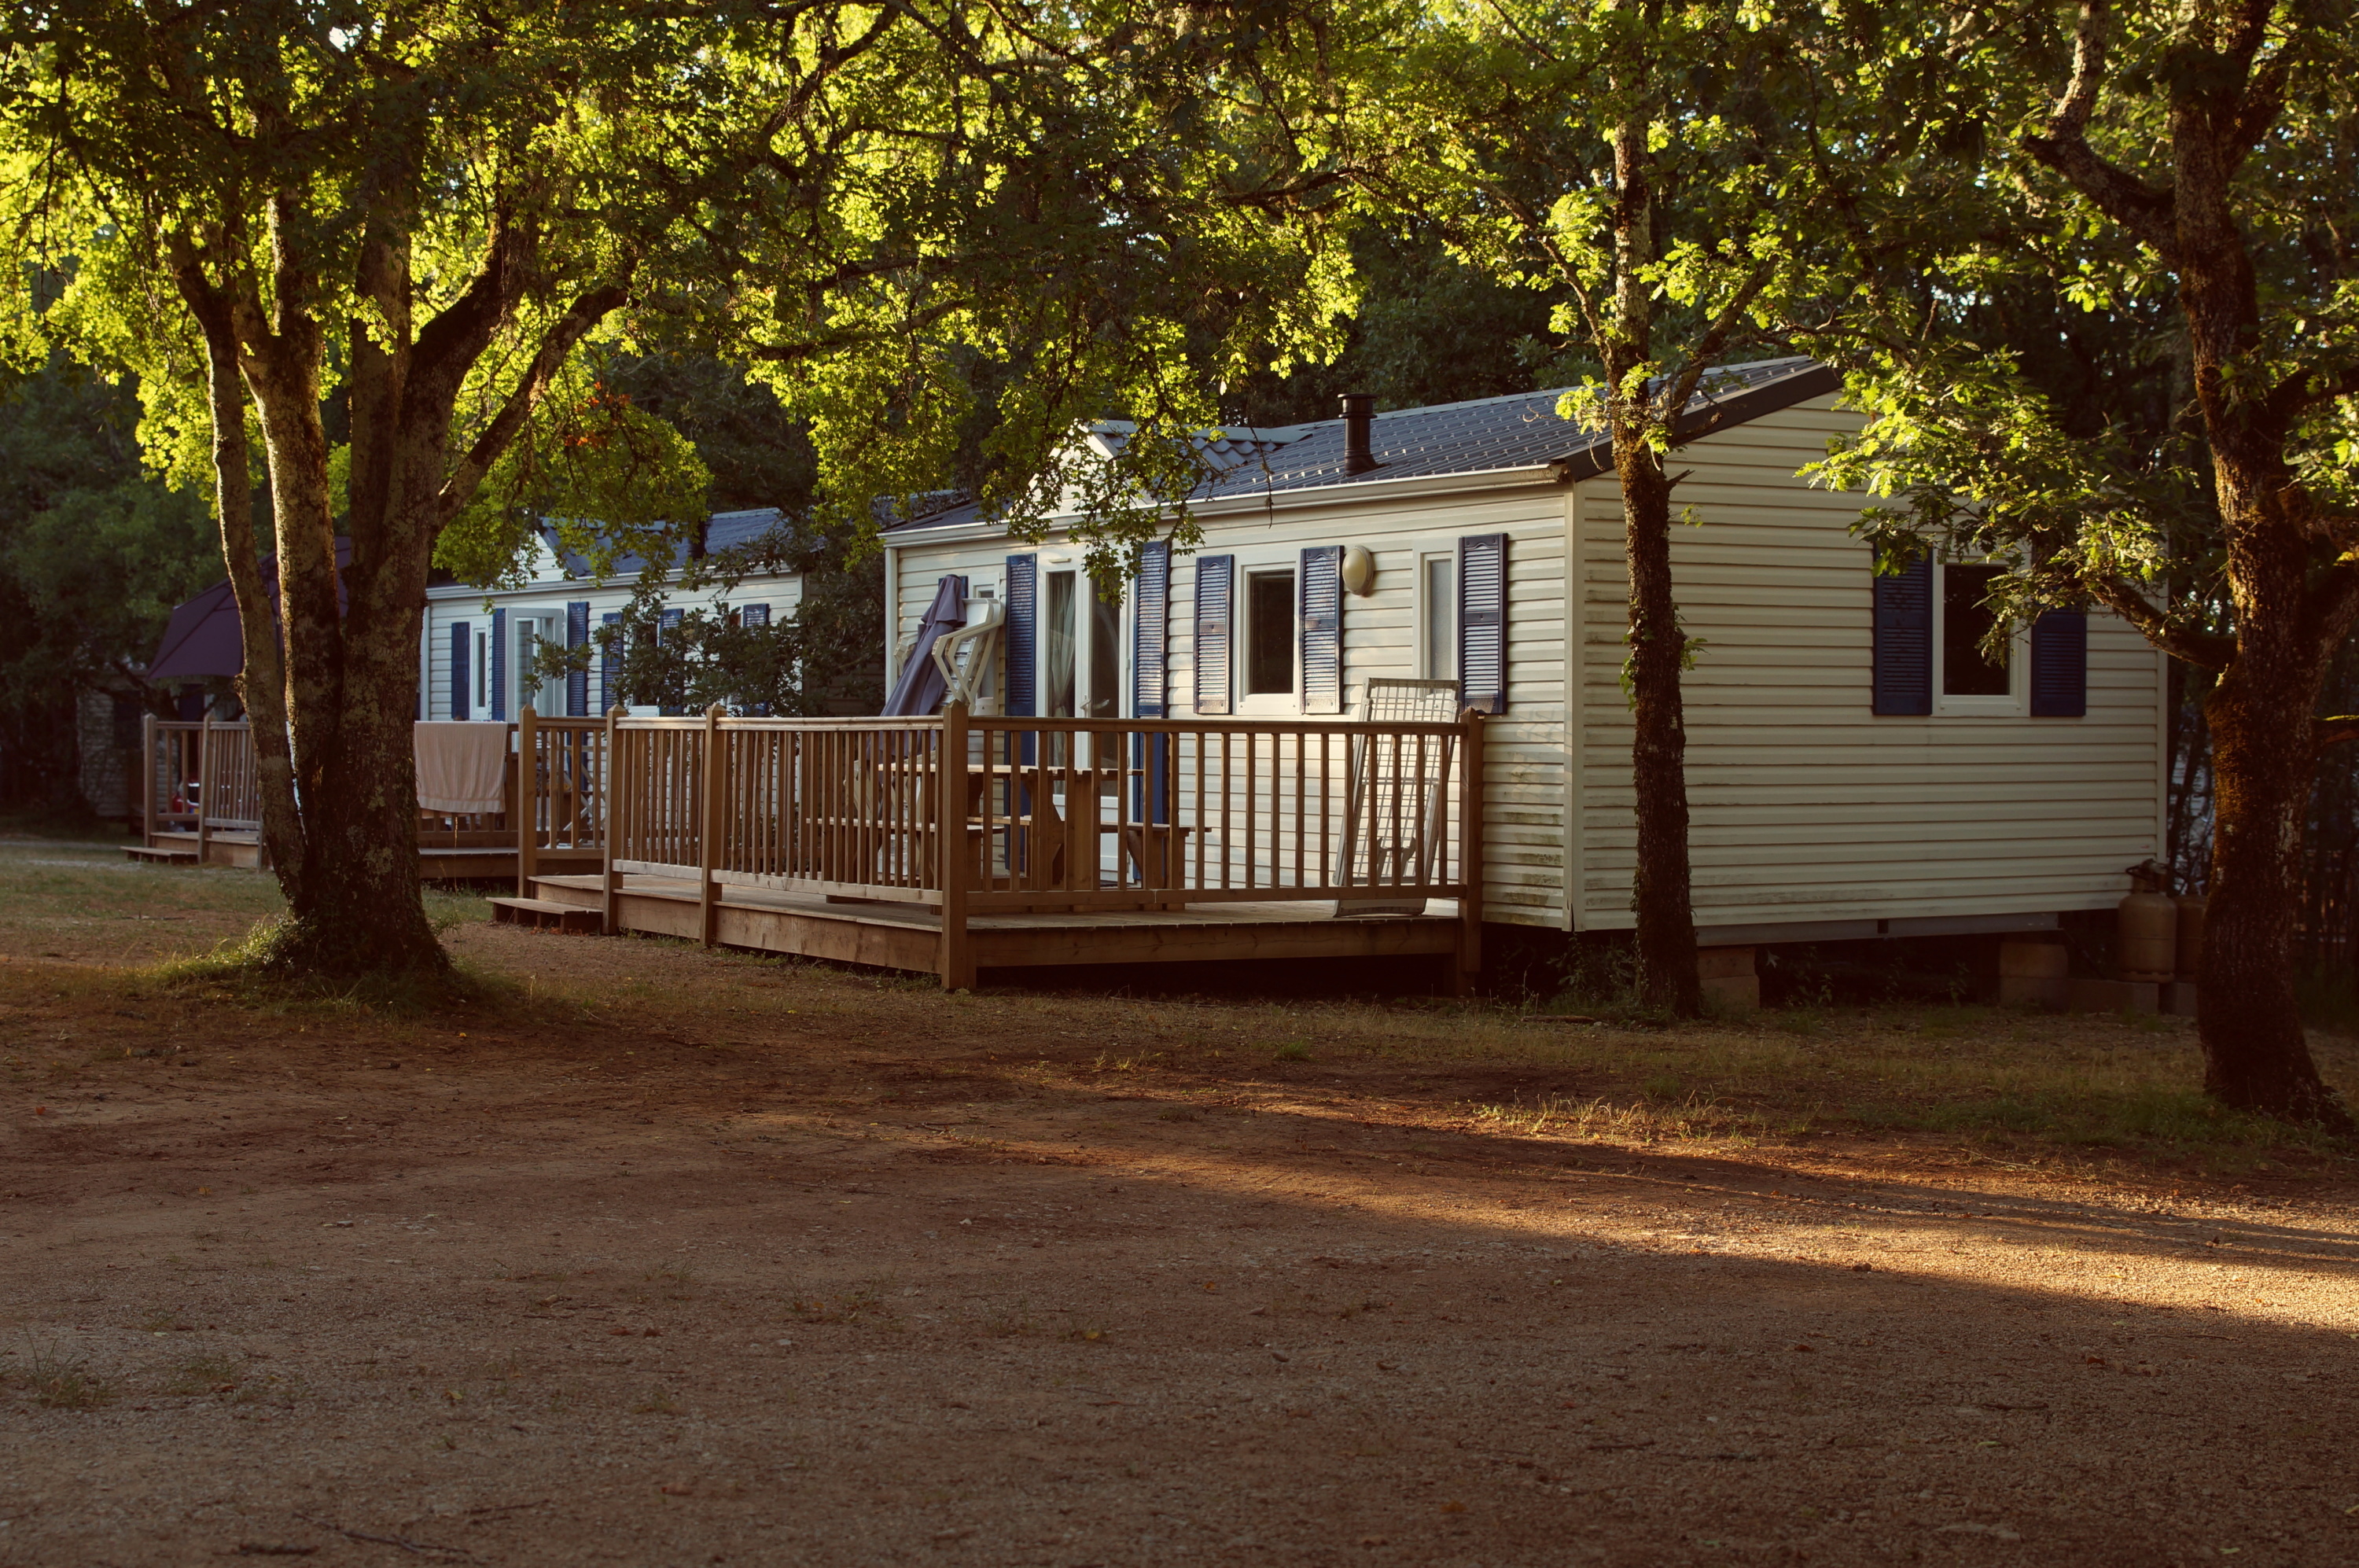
2255 1053
1659 882
1659 896
352 649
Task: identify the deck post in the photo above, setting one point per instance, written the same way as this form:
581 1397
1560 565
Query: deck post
204 782
611 884
527 826
1470 853
950 817
147 784
708 838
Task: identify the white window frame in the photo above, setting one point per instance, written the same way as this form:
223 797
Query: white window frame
1085 590
2017 701
1265 704
542 618
1426 609
483 673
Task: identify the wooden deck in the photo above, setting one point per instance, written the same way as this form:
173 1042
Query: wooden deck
201 803
906 936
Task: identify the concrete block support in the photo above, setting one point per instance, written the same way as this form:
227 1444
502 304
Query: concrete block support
2034 974
1729 977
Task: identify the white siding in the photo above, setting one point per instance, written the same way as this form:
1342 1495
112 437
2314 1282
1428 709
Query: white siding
549 596
1806 807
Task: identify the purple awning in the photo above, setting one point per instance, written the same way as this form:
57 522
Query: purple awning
203 637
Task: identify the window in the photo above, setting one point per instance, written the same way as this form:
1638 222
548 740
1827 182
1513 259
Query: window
1269 634
1440 591
1967 668
547 697
1102 700
1969 679
1059 673
482 672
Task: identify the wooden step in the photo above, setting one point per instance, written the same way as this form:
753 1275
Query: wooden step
572 892
547 914
162 855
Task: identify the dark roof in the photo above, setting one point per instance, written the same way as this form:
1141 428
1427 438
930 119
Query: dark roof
728 530
1522 431
723 530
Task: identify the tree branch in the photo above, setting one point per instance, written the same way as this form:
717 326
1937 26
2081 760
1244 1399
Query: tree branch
1708 348
2205 650
2120 195
584 313
2334 729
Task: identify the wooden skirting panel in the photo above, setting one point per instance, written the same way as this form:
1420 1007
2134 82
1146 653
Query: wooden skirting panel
897 936
1177 943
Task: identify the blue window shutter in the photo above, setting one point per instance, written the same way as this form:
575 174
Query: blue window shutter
1023 634
1215 584
462 677
610 662
754 616
1904 640
577 679
499 664
1151 633
1482 623
1321 586
2060 665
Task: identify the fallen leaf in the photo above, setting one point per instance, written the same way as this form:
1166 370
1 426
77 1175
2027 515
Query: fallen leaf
1453 1506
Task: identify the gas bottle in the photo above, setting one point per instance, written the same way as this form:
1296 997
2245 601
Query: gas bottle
2190 935
2145 929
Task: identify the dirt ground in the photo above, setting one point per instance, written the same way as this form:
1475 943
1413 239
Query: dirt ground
679 1258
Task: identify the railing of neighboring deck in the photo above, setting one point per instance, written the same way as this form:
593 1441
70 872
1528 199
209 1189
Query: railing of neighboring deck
199 776
996 814
565 761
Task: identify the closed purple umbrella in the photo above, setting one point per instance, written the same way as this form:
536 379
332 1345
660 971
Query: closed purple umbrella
920 689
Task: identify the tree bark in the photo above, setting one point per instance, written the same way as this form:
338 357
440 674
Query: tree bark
262 683
352 697
2255 1054
2290 619
1660 895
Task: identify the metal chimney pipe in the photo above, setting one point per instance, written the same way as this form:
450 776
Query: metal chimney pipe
1359 413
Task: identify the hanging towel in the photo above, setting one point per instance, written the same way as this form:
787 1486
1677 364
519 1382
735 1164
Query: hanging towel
461 767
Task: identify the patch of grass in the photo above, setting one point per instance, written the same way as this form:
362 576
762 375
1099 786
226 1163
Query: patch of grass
1293 1051
58 1379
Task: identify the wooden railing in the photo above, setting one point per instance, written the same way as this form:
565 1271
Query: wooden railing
199 776
992 815
563 761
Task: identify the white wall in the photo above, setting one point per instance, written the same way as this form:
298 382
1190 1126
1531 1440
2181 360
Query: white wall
549 596
1808 808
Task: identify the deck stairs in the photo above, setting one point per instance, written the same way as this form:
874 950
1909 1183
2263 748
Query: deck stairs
548 914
